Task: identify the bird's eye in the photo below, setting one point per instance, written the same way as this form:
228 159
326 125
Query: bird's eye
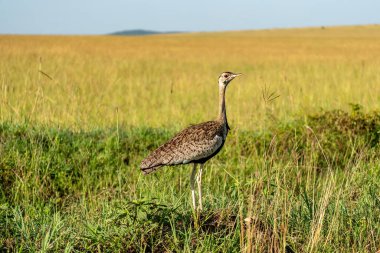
225 76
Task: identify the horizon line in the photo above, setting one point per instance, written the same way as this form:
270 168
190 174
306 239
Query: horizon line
168 32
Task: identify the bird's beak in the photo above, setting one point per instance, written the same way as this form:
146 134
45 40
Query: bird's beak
235 75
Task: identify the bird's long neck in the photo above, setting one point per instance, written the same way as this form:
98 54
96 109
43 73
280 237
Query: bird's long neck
222 117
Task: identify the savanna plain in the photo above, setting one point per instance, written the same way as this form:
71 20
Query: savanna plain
299 172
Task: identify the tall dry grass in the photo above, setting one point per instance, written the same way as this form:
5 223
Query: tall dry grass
285 181
170 80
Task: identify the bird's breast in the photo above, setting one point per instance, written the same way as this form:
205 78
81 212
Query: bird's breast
224 132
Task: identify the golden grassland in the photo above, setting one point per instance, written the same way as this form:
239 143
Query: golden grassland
171 80
277 185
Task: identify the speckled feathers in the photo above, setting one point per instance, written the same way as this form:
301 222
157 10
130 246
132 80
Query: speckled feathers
196 143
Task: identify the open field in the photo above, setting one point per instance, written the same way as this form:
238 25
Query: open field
77 115
99 81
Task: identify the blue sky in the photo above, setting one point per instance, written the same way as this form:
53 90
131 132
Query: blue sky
101 17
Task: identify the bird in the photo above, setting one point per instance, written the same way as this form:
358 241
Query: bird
195 144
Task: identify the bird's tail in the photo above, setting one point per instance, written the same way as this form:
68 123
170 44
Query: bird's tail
151 163
149 170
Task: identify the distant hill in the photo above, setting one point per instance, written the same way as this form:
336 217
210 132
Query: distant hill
138 32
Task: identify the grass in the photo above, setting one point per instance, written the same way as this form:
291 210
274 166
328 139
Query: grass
69 191
77 115
125 77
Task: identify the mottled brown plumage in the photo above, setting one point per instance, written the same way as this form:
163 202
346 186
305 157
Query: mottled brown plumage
195 144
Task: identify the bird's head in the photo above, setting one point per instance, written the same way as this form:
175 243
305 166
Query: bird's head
226 77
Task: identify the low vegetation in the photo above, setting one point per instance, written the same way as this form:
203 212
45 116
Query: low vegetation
304 185
300 171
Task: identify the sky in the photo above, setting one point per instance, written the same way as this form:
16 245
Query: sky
102 17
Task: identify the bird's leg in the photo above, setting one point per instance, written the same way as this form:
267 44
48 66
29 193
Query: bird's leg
192 184
199 182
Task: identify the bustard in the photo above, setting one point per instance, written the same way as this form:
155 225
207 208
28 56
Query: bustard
195 144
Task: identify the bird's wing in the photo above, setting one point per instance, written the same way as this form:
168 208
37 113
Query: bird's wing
191 144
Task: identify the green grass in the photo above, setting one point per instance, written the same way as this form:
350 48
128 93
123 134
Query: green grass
304 185
79 113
